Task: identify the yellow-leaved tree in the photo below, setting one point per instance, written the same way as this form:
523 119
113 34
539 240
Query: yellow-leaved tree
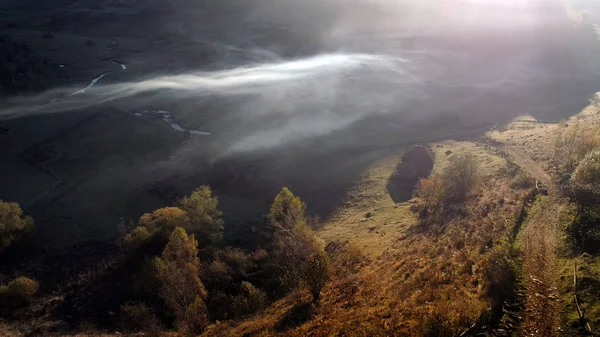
13 225
181 287
298 254
204 215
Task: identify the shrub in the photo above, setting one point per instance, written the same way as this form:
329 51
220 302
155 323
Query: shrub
250 300
316 273
239 264
584 190
228 279
137 316
196 316
585 233
348 258
146 280
574 144
138 236
522 180
459 178
588 170
500 274
13 225
431 191
18 292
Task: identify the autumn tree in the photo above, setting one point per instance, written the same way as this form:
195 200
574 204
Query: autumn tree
167 217
459 177
298 253
287 209
197 213
431 191
13 225
204 216
162 220
181 287
316 273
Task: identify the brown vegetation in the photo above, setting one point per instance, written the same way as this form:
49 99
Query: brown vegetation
450 187
13 225
426 283
17 292
181 288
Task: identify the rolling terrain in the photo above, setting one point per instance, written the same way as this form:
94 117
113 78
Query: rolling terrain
115 108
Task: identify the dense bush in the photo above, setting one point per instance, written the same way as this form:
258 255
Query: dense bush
18 292
137 316
522 180
574 143
431 191
250 299
460 176
146 281
316 273
197 213
13 225
230 283
588 170
138 236
500 273
584 190
451 187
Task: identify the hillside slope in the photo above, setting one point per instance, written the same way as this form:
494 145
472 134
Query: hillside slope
23 70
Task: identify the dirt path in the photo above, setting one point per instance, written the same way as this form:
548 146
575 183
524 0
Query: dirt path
539 240
530 166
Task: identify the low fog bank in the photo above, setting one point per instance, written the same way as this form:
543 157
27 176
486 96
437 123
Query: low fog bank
311 68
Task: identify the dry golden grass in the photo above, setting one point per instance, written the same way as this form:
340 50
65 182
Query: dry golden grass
538 140
369 217
490 164
405 276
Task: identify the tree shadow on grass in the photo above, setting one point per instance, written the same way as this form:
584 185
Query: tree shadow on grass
416 163
299 314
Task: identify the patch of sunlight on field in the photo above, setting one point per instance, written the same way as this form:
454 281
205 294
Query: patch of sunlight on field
489 165
369 216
